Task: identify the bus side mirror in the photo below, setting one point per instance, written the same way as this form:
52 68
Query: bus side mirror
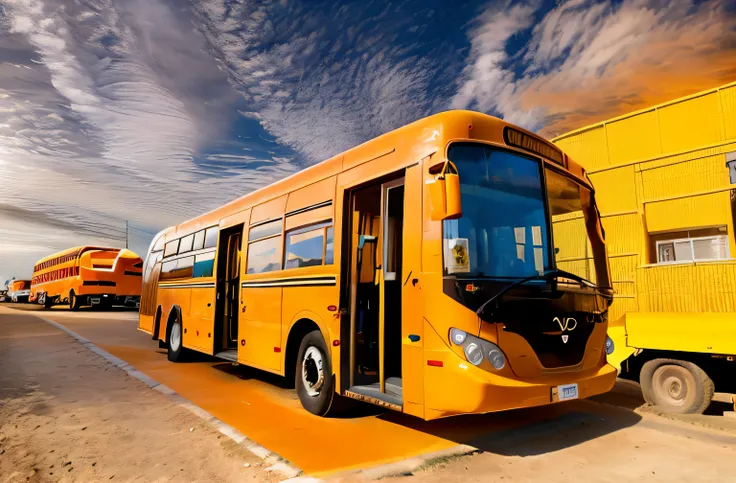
444 194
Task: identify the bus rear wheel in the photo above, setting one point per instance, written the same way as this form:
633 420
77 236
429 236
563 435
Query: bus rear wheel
677 387
74 301
174 344
315 384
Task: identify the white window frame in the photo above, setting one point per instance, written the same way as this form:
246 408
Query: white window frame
692 248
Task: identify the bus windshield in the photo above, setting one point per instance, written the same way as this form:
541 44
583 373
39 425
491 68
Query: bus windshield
504 230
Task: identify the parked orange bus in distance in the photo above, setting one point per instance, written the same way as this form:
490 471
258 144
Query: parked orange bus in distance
19 290
88 275
420 271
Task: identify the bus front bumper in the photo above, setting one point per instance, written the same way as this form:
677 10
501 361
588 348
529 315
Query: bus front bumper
461 388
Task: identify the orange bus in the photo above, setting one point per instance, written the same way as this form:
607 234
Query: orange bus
88 275
418 271
19 290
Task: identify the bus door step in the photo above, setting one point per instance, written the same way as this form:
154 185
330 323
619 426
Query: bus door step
228 355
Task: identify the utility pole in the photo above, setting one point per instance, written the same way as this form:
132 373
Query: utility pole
126 234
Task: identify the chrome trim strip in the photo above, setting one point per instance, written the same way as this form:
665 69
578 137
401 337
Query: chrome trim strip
309 208
292 282
188 285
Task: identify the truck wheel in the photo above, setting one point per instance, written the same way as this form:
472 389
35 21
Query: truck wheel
314 382
677 387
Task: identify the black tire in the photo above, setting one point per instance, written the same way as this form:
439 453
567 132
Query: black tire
74 301
676 387
176 350
45 300
316 396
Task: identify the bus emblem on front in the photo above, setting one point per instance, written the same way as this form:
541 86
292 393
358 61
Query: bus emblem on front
566 324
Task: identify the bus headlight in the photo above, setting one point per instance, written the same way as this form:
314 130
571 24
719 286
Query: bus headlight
498 361
609 346
479 352
474 353
457 336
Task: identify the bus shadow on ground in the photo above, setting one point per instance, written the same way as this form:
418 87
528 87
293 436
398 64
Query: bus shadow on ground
519 432
529 431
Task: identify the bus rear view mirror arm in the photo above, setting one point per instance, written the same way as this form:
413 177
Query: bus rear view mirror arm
444 193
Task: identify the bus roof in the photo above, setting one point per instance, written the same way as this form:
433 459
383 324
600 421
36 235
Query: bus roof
75 249
381 145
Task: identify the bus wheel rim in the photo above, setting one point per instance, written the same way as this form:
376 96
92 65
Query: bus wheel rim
175 337
313 376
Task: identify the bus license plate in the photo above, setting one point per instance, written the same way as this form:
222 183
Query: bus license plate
567 391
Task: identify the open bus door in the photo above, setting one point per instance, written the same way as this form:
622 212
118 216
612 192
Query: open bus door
385 329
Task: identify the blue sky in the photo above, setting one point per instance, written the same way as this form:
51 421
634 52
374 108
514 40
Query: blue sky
153 111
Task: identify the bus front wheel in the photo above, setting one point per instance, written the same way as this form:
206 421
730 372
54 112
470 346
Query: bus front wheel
314 382
678 387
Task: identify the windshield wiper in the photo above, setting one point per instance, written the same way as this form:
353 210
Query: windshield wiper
547 276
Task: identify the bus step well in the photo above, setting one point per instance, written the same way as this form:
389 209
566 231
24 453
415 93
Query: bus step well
229 355
372 393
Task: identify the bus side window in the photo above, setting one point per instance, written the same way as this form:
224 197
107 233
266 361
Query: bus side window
171 248
264 256
309 246
204 264
329 247
198 240
210 238
185 244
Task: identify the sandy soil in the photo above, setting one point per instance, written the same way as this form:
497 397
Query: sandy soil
590 448
67 415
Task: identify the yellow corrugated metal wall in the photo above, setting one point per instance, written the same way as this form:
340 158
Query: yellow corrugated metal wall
658 170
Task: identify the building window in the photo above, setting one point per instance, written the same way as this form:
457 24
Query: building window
693 249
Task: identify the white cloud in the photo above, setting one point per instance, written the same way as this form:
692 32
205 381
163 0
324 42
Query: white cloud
108 123
487 84
586 59
322 82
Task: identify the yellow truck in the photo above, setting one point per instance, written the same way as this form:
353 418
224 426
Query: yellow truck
665 181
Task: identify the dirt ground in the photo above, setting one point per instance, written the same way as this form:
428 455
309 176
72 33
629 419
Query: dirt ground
67 415
654 450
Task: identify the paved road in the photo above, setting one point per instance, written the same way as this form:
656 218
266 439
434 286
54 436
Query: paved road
254 403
